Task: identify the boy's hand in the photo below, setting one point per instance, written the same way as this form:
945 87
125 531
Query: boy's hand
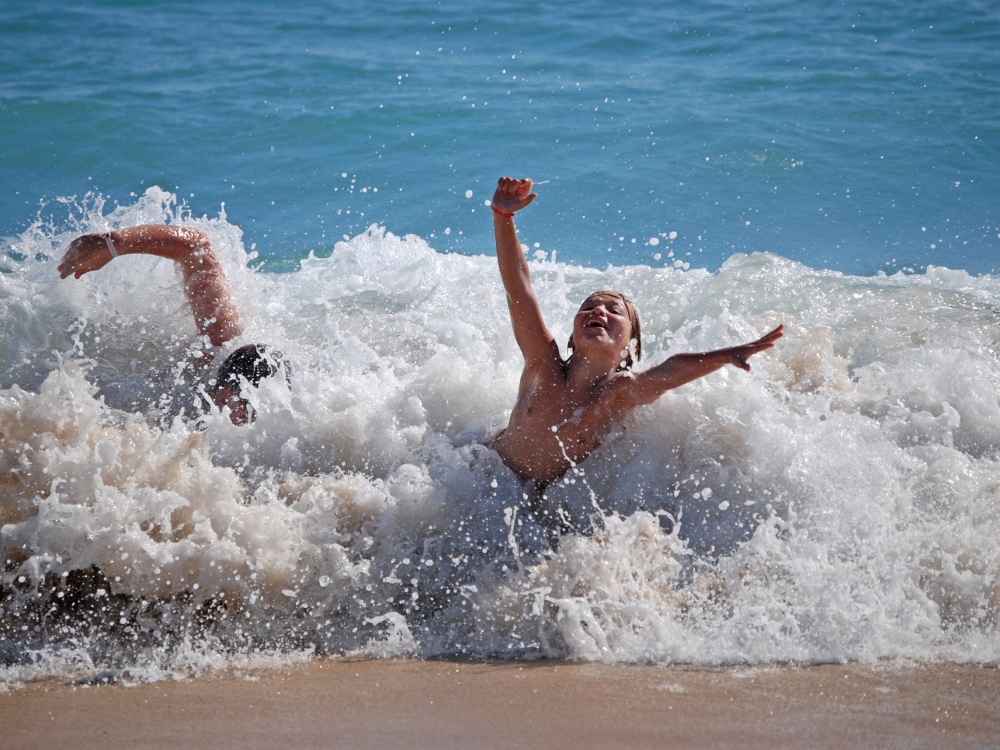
87 253
740 354
512 195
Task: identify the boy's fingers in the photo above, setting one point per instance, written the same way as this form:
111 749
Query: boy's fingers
513 187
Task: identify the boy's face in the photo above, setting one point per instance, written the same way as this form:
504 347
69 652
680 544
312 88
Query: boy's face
602 322
239 409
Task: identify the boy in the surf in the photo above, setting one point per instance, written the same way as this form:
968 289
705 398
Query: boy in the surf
565 408
207 292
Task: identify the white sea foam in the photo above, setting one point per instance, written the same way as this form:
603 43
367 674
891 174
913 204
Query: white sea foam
838 502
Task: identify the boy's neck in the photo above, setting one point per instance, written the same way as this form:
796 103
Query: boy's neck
584 372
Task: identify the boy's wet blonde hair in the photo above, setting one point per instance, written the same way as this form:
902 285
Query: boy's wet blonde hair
635 335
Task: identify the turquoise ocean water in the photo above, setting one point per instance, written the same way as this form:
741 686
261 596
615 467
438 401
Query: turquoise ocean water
730 166
856 136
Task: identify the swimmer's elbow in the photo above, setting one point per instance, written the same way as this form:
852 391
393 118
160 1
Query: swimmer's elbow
193 244
192 235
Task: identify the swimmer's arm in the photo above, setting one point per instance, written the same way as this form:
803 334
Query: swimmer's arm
204 281
533 337
680 369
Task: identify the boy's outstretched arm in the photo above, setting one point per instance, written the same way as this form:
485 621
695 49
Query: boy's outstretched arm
532 335
683 368
204 281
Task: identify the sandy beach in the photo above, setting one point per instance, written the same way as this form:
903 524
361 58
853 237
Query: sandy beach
404 703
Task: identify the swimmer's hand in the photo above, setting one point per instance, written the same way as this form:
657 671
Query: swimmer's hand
512 195
740 354
84 254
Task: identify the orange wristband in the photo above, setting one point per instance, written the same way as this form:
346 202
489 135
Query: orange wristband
498 212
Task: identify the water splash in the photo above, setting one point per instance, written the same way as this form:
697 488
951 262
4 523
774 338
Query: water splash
839 502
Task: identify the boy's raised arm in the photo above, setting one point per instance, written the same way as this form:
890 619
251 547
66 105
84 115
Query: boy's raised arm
680 369
532 335
204 281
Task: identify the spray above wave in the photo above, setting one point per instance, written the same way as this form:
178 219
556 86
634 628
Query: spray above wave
841 502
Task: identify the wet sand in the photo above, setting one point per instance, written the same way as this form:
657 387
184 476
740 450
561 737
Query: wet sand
404 703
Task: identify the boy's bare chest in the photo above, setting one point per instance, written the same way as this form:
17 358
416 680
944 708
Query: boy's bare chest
557 409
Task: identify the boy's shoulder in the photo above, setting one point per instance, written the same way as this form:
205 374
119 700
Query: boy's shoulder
619 389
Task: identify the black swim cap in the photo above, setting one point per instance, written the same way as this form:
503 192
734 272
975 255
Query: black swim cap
254 362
